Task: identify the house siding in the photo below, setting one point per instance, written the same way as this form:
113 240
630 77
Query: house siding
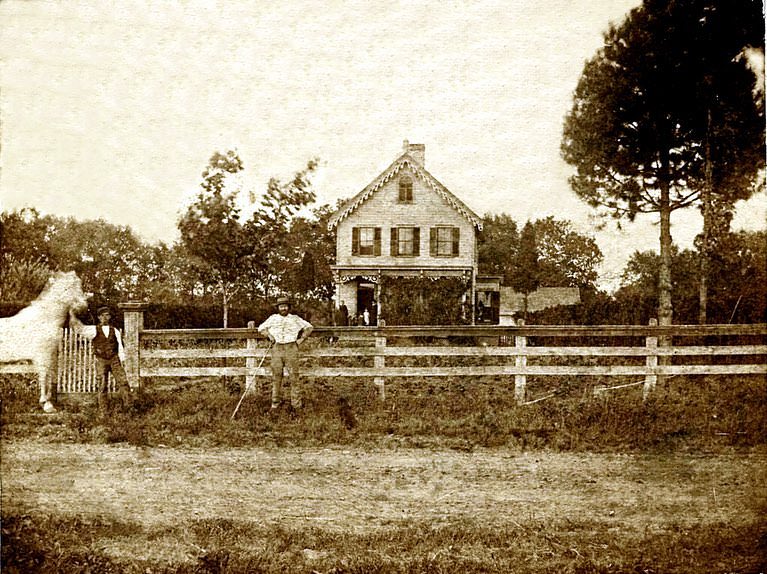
384 210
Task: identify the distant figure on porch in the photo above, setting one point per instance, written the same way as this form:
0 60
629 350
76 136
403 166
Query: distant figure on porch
342 319
373 312
109 352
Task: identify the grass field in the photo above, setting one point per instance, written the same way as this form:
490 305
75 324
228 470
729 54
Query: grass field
445 477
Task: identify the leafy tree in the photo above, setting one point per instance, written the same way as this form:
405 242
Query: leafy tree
312 248
110 259
211 232
267 232
21 281
526 264
566 258
739 278
739 282
24 235
498 245
637 297
635 133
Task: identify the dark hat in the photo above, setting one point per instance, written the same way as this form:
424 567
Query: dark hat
282 301
103 310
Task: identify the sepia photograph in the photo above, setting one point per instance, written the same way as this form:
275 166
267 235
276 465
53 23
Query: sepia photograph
404 287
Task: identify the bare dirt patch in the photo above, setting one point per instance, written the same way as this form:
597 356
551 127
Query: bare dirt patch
362 490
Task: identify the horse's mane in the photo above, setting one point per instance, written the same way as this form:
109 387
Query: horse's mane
62 290
57 282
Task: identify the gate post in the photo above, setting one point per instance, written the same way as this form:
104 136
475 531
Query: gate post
251 344
520 381
651 362
133 324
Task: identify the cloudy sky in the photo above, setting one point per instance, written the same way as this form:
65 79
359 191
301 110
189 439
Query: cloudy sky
112 110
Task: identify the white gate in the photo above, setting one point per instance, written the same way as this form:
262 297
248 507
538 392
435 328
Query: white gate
77 369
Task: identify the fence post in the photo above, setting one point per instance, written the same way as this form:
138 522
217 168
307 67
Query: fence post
651 379
251 344
133 324
379 362
520 381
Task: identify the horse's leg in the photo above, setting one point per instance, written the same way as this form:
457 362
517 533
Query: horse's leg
46 373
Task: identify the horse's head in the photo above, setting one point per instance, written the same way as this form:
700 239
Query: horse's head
68 289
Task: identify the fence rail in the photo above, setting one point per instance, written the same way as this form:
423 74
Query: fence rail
150 351
489 342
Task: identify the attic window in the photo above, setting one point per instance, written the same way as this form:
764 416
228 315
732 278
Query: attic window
405 189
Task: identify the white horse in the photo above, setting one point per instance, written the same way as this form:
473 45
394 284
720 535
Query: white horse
33 334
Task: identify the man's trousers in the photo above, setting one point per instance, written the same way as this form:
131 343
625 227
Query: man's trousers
285 355
114 366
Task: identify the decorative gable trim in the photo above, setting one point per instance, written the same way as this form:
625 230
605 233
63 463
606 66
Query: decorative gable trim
405 160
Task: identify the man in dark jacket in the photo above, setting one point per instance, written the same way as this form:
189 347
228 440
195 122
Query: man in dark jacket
109 353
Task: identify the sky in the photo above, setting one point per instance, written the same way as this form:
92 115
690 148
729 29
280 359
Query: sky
111 110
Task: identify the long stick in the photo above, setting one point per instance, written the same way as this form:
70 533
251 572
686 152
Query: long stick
245 392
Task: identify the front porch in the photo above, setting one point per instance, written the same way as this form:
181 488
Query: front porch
363 288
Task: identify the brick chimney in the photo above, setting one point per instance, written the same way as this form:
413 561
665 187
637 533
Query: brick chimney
416 151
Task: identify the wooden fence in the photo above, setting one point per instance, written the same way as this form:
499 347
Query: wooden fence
515 353
506 349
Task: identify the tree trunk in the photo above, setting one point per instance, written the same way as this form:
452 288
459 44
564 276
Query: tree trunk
225 299
524 305
708 213
665 307
703 288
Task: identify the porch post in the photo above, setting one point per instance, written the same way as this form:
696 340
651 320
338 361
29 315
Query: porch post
133 324
473 297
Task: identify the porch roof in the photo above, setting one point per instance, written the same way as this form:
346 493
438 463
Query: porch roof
348 273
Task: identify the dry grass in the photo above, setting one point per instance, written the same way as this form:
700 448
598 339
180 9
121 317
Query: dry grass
226 546
692 456
705 414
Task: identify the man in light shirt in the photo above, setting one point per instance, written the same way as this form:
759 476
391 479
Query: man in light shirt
108 351
286 331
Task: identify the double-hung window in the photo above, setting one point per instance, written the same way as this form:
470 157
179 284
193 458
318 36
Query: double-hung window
405 241
444 241
366 241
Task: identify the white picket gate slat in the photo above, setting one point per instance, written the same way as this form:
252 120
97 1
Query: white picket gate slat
77 370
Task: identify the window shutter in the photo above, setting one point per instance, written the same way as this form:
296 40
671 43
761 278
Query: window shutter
416 241
393 244
355 240
456 240
378 241
433 241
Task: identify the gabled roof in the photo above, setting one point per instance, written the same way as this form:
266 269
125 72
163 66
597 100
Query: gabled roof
390 172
